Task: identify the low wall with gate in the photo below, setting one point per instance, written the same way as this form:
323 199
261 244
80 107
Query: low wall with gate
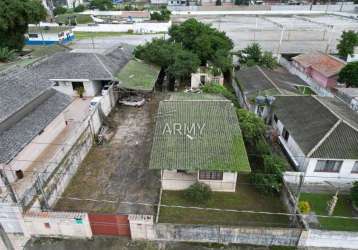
57 224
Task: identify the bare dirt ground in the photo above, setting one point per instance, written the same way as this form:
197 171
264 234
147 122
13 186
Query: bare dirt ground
117 172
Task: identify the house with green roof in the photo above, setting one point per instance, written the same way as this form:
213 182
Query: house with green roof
320 136
198 138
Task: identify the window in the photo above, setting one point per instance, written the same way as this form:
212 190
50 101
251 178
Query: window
275 118
328 166
355 168
33 35
210 175
285 134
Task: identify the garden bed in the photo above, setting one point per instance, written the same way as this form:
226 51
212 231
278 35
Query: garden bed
318 203
245 198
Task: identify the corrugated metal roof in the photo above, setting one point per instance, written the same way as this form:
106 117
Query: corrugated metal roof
325 64
217 146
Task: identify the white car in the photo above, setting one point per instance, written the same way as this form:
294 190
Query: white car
94 102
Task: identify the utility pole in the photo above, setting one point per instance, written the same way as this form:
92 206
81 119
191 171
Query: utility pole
5 239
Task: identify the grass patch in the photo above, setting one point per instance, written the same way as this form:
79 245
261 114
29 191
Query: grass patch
245 198
87 35
81 18
304 90
138 75
318 204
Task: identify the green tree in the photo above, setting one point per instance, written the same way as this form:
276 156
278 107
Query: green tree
220 89
185 63
162 15
252 126
59 10
354 193
101 4
79 8
349 39
349 75
15 15
202 40
6 54
253 52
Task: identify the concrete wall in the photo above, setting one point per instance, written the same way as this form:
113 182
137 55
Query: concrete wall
237 235
172 180
58 224
347 7
109 100
92 88
144 27
142 227
196 79
332 239
313 84
11 218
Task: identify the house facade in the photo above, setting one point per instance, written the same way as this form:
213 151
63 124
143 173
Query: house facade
198 139
320 67
319 135
203 76
46 34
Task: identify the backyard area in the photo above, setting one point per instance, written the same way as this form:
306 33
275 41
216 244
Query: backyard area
246 198
318 203
116 173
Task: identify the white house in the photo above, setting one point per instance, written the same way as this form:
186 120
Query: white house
205 75
320 136
47 34
198 139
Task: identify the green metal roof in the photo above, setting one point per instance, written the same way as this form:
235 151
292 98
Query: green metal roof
198 132
137 75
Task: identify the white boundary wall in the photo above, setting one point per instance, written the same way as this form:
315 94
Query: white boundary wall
145 27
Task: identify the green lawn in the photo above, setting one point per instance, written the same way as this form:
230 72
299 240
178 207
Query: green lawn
318 204
245 198
138 75
81 18
86 35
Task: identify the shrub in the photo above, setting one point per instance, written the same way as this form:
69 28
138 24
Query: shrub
6 54
79 8
220 89
59 10
252 127
268 60
162 15
304 207
250 63
354 193
198 193
253 52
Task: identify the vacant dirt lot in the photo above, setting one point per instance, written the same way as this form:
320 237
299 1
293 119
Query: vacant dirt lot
116 172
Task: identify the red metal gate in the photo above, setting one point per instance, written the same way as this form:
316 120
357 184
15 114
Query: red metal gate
109 224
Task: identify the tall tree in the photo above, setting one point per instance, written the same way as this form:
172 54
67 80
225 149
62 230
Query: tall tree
101 4
349 75
349 39
15 15
201 39
185 63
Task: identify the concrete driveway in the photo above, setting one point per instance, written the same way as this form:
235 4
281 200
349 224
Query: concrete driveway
116 174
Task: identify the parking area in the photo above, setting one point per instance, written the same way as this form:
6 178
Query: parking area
114 177
300 33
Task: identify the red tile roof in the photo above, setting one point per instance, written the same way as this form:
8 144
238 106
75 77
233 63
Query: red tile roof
325 64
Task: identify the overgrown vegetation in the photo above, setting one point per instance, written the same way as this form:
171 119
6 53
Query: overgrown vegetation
354 193
15 15
6 54
191 44
198 193
162 15
349 75
345 47
79 8
253 55
219 89
267 168
101 4
59 10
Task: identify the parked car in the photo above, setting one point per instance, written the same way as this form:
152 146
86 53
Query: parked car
94 102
